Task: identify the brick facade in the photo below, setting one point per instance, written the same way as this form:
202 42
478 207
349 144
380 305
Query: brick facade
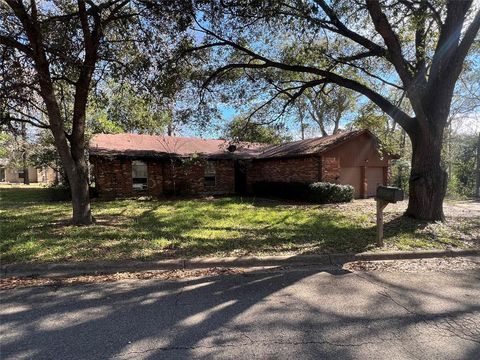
330 169
305 169
352 162
188 177
113 177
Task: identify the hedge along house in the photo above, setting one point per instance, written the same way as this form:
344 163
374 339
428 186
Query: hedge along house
130 164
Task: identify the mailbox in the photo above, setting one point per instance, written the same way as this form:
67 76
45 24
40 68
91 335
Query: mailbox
389 194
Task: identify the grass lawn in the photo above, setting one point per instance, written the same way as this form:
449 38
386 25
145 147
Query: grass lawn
35 229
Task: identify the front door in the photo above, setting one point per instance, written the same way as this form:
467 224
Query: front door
240 177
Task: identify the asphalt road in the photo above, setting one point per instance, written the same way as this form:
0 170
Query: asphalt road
301 314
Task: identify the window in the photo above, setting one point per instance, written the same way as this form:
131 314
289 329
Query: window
209 175
21 174
139 175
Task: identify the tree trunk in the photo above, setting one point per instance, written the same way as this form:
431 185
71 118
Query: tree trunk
26 177
79 188
76 171
477 181
400 177
428 180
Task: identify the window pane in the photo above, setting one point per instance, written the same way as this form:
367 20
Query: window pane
209 180
210 168
209 174
139 175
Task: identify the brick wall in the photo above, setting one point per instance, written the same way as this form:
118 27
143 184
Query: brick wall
155 178
305 169
113 177
189 178
225 178
330 169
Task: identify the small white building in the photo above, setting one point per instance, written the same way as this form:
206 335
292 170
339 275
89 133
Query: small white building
11 175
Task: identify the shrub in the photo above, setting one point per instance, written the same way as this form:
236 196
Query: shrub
61 192
319 192
58 193
324 192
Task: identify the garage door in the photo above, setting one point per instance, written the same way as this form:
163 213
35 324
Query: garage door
351 176
374 178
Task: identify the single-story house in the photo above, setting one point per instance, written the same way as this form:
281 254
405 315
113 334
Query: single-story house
131 164
13 175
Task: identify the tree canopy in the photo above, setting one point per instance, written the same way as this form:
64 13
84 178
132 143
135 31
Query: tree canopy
240 129
389 51
55 52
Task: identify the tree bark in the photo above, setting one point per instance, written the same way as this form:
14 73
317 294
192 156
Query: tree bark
428 180
477 181
75 166
26 177
79 188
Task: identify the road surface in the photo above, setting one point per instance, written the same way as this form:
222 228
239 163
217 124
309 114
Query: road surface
297 314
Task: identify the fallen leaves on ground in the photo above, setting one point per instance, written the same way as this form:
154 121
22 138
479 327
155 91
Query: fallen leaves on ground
165 275
416 265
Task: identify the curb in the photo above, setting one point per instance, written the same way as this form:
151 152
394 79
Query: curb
97 267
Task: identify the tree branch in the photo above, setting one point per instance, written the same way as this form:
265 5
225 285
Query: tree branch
383 27
37 123
392 110
449 38
352 35
466 42
9 42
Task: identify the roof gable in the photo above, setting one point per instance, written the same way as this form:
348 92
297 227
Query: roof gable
310 146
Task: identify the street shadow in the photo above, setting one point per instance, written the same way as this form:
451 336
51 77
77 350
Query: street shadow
307 314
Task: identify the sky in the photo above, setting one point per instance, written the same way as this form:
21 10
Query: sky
469 123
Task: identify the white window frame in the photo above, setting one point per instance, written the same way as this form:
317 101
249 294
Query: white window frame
209 173
138 185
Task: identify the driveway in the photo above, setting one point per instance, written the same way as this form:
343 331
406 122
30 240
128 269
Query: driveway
297 314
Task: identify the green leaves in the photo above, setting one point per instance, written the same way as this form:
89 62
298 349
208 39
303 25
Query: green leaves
241 129
122 109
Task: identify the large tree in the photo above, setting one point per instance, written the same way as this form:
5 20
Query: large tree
415 47
328 107
240 129
54 52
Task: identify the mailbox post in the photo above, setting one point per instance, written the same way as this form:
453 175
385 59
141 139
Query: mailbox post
385 196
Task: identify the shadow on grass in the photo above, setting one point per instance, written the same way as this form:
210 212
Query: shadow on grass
128 229
215 229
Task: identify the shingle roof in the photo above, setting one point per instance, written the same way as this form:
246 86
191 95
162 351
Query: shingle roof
156 145
308 146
